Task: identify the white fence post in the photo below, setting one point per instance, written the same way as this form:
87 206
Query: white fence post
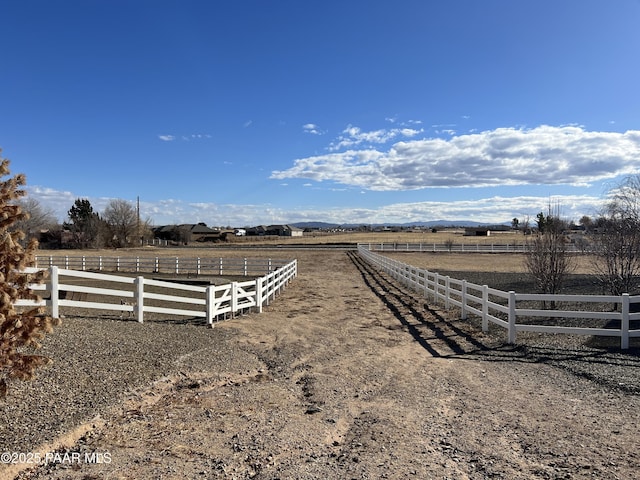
426 284
485 308
210 303
624 322
511 331
55 291
447 292
259 294
177 265
139 299
234 298
463 300
245 267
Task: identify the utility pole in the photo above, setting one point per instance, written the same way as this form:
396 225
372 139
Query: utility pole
138 219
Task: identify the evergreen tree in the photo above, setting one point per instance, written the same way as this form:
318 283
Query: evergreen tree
542 222
83 223
20 331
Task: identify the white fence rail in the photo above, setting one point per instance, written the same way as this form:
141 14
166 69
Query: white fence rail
502 308
138 295
168 265
455 247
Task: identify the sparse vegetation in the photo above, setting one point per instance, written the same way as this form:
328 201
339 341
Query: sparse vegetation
37 219
122 220
449 243
617 243
547 258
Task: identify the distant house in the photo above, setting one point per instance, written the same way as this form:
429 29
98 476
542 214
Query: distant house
276 230
477 232
259 230
285 231
187 232
295 231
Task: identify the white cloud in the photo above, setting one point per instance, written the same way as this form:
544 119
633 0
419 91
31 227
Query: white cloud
568 155
353 136
506 156
312 128
186 138
446 131
487 210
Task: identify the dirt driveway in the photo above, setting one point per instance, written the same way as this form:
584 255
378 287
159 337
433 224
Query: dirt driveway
344 376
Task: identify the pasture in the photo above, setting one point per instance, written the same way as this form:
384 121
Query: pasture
421 236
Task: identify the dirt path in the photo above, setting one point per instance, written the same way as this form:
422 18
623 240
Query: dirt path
345 377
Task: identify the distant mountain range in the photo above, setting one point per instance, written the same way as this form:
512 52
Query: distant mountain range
432 224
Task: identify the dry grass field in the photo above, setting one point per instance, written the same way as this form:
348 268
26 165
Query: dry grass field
455 235
481 262
345 375
441 261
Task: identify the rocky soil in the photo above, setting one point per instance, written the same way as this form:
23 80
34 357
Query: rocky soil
345 375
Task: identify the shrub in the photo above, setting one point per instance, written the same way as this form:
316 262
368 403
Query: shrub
20 331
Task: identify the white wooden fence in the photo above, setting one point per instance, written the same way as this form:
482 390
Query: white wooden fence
168 265
138 295
501 308
455 247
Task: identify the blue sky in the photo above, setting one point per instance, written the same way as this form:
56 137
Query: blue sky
254 112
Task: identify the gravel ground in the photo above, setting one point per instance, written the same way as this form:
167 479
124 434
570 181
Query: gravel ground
344 376
97 362
596 358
